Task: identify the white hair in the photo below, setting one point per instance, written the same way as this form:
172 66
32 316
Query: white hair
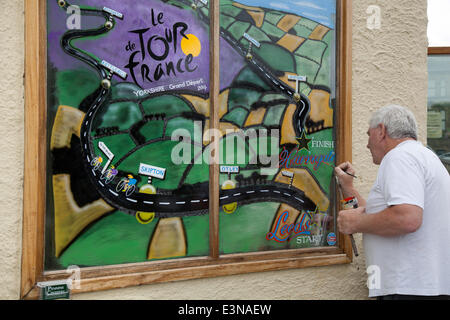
399 121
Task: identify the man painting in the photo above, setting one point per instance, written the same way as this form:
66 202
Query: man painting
406 217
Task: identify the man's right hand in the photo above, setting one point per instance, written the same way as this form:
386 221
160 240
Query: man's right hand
345 180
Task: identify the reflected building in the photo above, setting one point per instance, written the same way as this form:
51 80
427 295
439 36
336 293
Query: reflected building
439 106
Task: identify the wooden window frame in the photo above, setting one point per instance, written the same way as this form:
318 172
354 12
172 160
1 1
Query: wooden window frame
125 275
438 50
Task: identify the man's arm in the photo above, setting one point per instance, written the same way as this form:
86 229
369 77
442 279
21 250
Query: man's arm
393 221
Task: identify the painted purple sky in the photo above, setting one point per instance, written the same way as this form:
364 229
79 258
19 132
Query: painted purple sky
137 15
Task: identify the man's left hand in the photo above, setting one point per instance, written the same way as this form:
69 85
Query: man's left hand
348 220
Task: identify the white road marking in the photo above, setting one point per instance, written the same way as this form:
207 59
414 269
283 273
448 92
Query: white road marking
101 183
148 202
225 197
132 200
287 194
114 193
264 190
276 191
250 192
195 201
299 200
236 194
164 203
181 202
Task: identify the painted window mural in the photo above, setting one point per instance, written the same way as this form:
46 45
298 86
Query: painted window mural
123 77
129 135
278 95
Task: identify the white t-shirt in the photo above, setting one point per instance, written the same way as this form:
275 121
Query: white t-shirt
417 263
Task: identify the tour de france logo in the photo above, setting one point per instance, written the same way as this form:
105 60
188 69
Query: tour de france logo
154 56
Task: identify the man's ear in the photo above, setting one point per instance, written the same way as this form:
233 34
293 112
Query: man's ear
383 131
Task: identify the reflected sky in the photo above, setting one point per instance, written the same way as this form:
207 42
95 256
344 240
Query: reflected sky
318 10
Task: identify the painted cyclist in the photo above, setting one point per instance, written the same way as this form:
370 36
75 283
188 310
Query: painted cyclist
127 185
109 175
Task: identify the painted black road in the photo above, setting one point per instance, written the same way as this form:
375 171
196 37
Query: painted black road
174 204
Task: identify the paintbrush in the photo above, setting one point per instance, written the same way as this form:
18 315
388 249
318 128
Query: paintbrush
350 174
342 170
355 249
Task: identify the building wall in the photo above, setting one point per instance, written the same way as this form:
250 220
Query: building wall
389 66
11 145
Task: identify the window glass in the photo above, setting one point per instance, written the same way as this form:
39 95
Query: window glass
128 87
278 86
439 106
